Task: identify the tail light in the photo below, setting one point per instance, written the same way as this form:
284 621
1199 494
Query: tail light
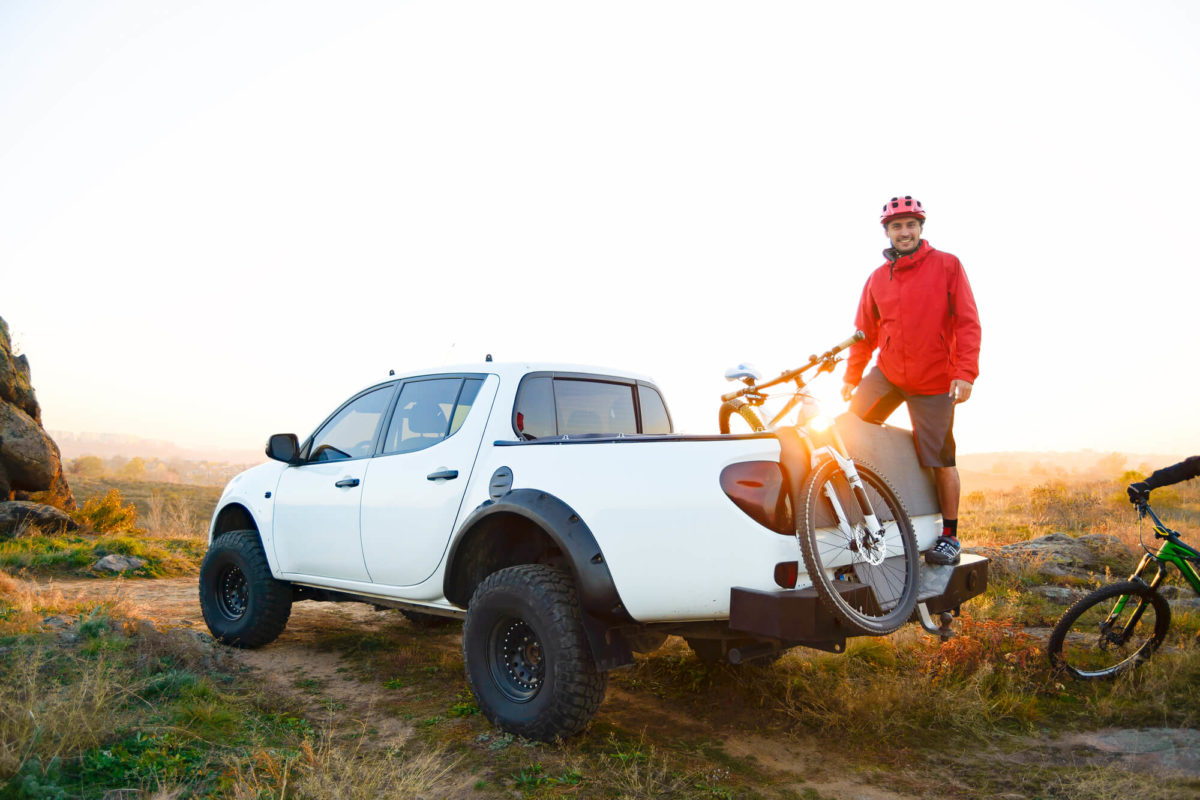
757 488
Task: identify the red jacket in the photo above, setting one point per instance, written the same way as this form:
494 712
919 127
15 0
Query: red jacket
919 311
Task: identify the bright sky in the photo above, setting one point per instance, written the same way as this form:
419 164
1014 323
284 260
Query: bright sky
220 219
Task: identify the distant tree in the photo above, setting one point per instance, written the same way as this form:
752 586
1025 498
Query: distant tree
87 466
134 469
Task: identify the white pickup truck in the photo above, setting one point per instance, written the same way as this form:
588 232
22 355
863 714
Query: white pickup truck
553 508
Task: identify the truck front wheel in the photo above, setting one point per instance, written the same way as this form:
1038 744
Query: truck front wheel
527 658
243 605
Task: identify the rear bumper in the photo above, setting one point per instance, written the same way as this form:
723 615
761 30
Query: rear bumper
797 616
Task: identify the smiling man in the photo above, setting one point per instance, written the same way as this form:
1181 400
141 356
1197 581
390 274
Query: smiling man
918 310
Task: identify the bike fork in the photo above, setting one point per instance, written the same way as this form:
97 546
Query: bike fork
857 488
1119 608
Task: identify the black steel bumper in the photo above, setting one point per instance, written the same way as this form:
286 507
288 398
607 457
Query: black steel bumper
797 616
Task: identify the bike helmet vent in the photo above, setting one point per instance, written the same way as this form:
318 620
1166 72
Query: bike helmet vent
907 206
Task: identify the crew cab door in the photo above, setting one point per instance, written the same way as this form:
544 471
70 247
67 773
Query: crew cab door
414 487
316 515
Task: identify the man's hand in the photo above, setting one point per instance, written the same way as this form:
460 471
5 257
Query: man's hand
960 390
847 391
1138 493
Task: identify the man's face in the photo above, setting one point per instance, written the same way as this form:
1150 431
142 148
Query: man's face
905 233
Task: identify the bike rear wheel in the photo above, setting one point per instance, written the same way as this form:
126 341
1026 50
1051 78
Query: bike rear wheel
838 551
738 416
1089 645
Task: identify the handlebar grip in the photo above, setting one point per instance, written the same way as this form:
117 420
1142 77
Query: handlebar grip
857 337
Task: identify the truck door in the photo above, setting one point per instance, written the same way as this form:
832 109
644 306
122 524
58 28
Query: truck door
413 489
317 503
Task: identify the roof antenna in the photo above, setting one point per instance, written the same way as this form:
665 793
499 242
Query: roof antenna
488 357
391 372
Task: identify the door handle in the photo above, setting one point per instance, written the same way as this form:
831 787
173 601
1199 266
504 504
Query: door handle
445 474
346 483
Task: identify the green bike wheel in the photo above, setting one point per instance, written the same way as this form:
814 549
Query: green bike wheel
1088 645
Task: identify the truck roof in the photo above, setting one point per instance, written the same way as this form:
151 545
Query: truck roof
513 370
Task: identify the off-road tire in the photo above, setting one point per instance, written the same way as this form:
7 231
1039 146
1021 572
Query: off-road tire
526 655
1078 632
901 570
242 604
738 407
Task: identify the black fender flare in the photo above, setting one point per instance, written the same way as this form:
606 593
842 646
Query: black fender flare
598 596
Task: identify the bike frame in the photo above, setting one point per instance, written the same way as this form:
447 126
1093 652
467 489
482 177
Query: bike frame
1173 551
826 362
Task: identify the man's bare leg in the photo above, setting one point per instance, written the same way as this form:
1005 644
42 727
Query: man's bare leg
948 489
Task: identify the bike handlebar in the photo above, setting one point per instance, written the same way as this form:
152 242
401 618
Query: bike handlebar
826 359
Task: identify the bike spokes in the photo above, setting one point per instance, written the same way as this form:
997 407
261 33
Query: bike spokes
1113 629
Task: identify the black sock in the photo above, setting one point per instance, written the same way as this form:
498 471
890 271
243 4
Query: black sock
950 528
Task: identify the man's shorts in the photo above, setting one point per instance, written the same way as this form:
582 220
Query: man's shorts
932 416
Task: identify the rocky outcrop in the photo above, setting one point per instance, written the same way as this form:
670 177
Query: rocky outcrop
17 515
30 463
1059 555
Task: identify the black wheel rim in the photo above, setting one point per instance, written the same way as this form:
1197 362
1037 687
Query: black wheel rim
517 659
233 593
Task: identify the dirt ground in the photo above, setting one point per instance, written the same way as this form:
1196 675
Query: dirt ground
292 661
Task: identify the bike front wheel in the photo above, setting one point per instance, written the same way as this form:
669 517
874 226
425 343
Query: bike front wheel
1113 629
840 551
738 416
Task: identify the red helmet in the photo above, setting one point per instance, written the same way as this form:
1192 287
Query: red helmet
907 206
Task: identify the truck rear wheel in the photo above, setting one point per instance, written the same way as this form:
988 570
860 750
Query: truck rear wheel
527 658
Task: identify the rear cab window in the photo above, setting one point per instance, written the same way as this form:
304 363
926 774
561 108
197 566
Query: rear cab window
556 404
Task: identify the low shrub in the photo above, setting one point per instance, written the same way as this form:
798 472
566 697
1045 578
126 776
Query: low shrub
109 514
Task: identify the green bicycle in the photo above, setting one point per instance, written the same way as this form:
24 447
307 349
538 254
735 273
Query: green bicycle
1097 638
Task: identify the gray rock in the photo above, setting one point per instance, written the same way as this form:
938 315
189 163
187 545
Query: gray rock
1149 749
117 563
30 462
28 454
16 515
1057 554
1058 594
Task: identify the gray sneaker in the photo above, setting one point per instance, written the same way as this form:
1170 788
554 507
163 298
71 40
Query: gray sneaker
946 550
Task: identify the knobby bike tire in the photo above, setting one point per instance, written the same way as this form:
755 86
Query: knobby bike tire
894 582
738 407
1081 647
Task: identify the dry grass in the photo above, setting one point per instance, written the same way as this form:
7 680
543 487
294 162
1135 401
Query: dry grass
1015 515
169 515
52 705
24 605
345 768
51 701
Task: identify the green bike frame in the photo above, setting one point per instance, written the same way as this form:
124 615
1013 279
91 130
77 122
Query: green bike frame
1173 551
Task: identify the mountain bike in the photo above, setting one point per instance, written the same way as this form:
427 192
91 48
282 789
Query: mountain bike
853 528
1100 638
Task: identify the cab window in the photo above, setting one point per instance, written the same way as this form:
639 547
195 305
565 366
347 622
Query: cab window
428 412
654 411
594 407
549 405
351 432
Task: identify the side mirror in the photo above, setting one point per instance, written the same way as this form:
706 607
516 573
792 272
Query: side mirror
284 447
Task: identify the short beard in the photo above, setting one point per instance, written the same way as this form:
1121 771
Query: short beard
913 249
